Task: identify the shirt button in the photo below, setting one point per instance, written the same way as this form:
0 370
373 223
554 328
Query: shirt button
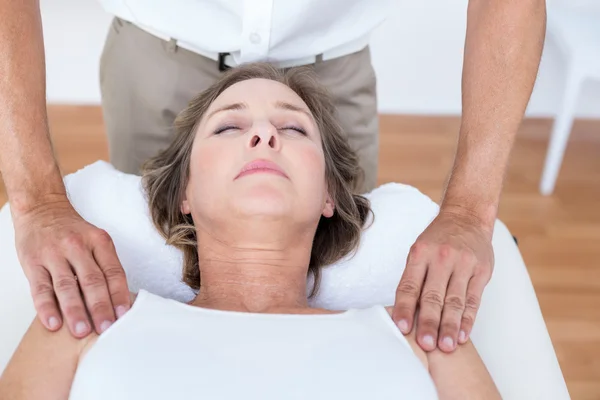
255 38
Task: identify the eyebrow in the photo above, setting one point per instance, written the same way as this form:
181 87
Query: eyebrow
287 106
280 104
229 107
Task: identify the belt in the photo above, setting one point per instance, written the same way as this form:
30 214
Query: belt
226 60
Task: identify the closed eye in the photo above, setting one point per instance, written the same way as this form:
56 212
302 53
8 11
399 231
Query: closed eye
295 128
231 127
225 128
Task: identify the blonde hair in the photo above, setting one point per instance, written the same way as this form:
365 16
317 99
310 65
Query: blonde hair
165 176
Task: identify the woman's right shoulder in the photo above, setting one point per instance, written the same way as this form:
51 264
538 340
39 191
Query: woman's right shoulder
45 356
89 342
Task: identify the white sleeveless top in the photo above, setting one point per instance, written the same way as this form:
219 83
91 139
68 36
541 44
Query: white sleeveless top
164 349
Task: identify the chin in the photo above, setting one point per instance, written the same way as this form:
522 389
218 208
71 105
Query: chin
270 199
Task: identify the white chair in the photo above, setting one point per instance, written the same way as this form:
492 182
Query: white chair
575 28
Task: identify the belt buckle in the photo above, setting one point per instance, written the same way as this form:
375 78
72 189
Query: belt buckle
222 66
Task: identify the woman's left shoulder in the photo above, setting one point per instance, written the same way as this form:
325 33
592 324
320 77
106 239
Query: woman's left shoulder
390 311
412 340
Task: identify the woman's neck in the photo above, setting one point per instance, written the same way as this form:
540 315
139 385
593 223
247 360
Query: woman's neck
253 277
253 287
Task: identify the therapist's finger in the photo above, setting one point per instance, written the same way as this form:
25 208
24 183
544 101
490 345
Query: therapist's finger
409 289
116 280
68 295
454 307
432 301
44 301
472 303
93 288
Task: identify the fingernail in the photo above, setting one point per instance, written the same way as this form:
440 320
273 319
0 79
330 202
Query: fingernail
428 341
105 325
462 337
53 323
120 310
403 326
448 342
81 328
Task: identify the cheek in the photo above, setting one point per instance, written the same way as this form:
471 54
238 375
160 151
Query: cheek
310 164
315 160
311 156
208 167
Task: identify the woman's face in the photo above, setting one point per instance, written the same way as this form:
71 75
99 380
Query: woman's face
266 123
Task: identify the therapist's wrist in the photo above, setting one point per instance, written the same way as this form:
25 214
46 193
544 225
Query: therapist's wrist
477 213
34 203
49 191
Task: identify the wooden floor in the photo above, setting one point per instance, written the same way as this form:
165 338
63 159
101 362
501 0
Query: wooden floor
559 236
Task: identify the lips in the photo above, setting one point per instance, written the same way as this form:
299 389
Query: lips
261 166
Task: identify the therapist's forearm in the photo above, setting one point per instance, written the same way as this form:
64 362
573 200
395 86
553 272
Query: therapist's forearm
503 48
29 170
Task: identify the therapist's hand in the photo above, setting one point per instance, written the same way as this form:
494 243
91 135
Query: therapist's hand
447 269
72 268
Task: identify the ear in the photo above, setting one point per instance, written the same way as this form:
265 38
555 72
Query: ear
185 206
329 207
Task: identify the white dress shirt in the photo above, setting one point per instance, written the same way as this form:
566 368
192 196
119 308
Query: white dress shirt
288 32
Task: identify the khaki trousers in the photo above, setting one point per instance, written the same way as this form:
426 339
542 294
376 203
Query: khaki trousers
146 81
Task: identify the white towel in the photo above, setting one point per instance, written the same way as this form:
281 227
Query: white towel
115 201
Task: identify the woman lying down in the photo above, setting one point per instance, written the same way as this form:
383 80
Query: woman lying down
257 191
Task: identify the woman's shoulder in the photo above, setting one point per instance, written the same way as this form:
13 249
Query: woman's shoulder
389 309
89 341
412 340
132 297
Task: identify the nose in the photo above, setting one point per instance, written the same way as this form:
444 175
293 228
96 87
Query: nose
264 135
